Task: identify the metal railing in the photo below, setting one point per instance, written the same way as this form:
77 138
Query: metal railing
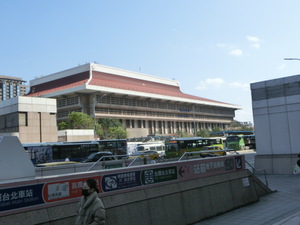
103 157
204 152
255 171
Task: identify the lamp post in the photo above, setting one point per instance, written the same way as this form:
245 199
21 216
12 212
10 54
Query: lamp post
95 102
291 58
194 120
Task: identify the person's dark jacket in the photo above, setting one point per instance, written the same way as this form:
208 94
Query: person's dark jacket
90 211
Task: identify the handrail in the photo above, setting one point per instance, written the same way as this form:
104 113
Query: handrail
102 157
133 161
256 171
203 151
227 150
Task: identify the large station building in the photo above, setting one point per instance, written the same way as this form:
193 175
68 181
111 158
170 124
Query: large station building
146 105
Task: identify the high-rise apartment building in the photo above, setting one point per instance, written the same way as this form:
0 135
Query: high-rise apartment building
11 87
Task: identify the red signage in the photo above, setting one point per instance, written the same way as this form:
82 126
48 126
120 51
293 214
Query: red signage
67 189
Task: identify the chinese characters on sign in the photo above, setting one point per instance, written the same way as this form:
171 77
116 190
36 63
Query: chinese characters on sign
159 175
19 197
205 167
119 181
65 189
38 194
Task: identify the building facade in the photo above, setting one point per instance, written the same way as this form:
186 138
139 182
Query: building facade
144 104
276 113
30 119
11 87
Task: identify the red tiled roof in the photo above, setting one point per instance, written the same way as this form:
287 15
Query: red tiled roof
59 84
132 84
112 81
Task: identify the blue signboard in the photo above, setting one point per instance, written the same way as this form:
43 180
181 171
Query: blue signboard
113 182
19 197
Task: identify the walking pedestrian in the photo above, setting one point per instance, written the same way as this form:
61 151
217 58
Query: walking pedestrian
296 169
91 209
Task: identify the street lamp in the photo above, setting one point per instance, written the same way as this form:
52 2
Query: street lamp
194 120
291 58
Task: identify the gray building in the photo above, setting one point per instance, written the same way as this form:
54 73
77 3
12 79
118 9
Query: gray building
30 119
11 87
144 104
276 114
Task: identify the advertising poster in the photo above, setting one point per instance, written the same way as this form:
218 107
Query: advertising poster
62 190
113 182
158 175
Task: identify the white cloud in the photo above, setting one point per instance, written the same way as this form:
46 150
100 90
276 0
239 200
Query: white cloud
252 38
210 83
232 49
244 86
236 52
254 41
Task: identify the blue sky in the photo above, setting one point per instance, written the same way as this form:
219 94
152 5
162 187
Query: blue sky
215 49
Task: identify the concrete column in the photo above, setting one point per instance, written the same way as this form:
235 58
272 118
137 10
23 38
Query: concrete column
163 125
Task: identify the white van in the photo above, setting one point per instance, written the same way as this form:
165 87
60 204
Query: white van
160 148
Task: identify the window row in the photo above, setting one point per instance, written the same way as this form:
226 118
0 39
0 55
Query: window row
66 113
162 105
13 120
157 114
68 101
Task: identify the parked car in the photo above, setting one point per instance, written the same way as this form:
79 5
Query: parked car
153 155
94 157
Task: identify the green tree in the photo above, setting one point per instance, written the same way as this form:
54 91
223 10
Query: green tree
77 120
112 129
203 133
182 134
63 125
117 132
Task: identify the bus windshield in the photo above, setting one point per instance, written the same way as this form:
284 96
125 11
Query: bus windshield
140 148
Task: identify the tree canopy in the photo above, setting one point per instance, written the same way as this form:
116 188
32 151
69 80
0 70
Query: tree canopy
105 128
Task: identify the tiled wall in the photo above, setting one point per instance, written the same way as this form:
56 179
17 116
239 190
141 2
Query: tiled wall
276 113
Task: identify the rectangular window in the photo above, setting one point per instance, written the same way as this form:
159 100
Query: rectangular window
23 119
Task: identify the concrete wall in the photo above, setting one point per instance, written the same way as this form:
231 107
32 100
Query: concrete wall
35 118
137 132
172 204
75 135
276 113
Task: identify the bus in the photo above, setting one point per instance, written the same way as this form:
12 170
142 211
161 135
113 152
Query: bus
177 147
250 141
60 151
231 132
116 146
158 147
235 142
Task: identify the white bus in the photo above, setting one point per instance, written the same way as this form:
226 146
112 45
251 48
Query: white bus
159 147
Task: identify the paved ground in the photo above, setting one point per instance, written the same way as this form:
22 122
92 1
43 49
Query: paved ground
280 207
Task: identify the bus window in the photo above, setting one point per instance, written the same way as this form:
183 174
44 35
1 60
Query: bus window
140 148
